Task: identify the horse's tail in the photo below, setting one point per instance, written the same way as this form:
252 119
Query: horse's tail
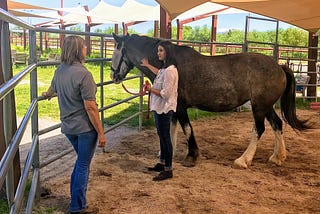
288 102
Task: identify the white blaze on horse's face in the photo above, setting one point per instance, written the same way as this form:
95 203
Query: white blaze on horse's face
116 60
116 56
119 67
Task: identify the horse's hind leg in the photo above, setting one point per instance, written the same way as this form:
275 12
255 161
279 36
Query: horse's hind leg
280 152
193 151
246 158
173 134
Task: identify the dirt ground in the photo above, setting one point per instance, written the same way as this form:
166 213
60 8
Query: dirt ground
120 183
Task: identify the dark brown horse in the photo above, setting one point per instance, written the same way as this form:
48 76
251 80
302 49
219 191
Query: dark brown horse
219 83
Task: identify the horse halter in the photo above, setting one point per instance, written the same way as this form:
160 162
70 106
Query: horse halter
122 59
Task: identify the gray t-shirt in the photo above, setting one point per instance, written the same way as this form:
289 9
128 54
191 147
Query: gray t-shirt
74 84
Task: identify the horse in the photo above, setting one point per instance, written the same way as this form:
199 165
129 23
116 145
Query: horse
219 84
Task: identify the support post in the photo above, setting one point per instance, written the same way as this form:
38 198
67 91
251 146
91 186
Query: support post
179 31
213 34
156 29
312 63
165 24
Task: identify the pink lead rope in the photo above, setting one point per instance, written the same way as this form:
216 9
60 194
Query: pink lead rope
141 93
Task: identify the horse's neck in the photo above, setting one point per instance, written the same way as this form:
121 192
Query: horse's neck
149 74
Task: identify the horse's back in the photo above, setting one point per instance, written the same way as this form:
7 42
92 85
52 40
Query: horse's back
220 83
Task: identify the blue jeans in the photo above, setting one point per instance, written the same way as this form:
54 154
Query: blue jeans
84 145
163 122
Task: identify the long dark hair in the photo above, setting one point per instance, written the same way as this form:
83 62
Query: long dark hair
72 50
170 58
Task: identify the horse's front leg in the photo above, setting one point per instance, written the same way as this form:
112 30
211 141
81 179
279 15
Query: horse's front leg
246 158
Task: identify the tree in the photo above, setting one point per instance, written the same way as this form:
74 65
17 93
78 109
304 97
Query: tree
76 28
294 37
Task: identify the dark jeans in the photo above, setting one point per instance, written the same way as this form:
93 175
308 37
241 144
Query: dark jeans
84 145
163 122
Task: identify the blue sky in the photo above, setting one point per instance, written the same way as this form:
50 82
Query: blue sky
225 22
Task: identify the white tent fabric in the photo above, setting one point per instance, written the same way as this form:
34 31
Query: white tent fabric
104 13
77 16
135 11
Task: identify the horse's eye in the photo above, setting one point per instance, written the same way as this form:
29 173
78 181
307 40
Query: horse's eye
118 45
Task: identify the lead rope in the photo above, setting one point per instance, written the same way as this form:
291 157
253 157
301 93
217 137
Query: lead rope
141 93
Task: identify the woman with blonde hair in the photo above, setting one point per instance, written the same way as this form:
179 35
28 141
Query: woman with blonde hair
80 122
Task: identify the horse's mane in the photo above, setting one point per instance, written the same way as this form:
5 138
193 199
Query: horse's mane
145 41
150 43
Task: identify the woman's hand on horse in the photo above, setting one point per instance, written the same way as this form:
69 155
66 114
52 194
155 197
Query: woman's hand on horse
144 62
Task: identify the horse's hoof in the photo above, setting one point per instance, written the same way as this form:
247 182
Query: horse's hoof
189 162
240 164
274 159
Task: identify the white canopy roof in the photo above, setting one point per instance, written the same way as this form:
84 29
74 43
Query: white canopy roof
135 11
104 13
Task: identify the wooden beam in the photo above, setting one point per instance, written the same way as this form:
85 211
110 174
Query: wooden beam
125 28
156 29
179 31
203 16
134 23
116 28
312 63
165 24
87 29
213 34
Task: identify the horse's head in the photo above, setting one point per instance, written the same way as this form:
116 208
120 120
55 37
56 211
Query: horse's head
121 64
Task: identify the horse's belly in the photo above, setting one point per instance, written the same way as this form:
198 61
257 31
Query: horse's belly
219 103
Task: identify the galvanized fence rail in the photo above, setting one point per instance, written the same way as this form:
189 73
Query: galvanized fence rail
32 161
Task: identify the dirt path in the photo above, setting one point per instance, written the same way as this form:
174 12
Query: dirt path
120 183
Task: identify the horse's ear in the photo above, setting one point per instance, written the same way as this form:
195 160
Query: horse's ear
117 38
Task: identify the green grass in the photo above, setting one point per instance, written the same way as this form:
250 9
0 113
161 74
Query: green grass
112 93
4 206
50 109
45 210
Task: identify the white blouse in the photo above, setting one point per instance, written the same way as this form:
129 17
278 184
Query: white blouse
167 82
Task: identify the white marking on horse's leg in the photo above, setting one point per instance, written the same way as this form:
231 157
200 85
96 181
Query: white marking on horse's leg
279 152
188 131
173 134
246 158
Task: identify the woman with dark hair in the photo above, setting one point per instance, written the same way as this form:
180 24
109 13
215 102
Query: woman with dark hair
80 122
163 101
